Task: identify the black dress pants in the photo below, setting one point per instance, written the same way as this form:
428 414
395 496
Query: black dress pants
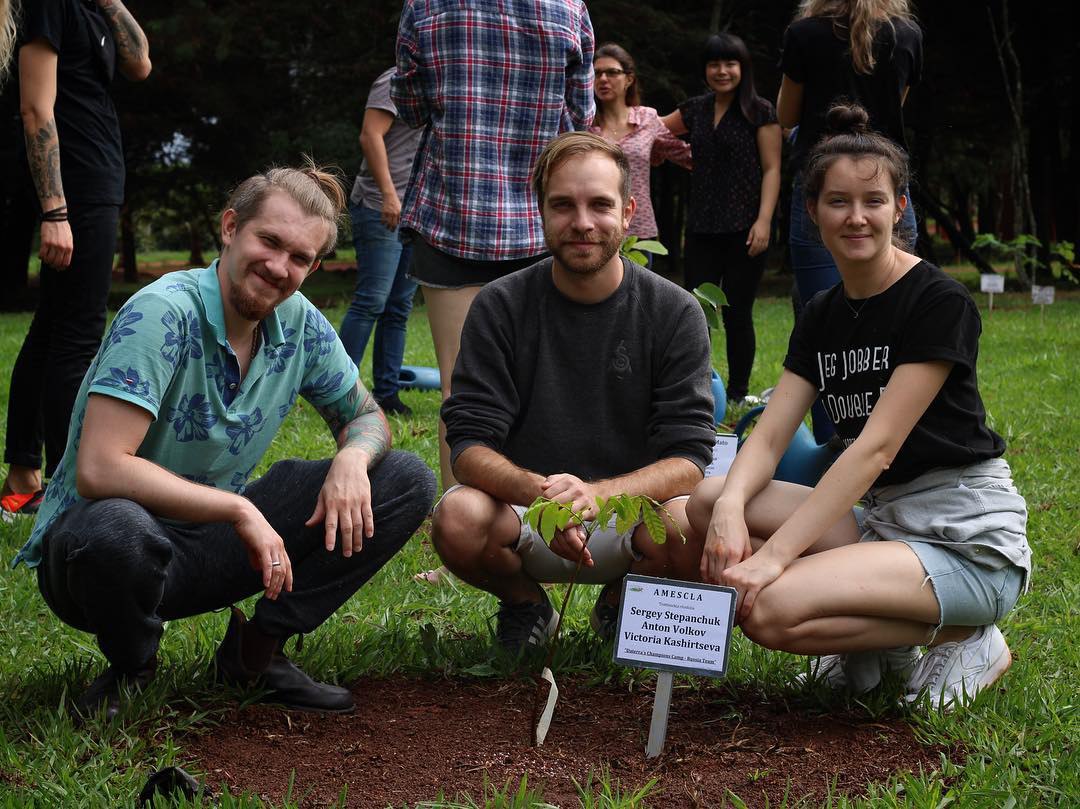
111 568
63 338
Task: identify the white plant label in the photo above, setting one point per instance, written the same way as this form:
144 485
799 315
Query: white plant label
723 455
991 282
675 625
1042 295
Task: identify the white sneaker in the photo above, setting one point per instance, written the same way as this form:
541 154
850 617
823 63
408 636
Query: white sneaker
859 672
952 674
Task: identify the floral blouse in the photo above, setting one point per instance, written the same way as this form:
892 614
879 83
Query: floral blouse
648 143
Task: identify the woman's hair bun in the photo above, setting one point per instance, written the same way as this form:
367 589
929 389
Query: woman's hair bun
847 119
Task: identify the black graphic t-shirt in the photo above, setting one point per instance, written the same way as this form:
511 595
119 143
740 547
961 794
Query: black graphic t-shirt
923 317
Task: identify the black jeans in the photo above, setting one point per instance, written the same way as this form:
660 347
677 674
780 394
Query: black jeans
111 568
63 338
722 259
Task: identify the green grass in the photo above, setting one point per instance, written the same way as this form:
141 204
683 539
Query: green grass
1020 740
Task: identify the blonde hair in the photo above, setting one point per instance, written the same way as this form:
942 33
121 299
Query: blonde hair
862 18
575 144
316 189
9 10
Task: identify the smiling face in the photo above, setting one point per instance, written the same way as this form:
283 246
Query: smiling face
584 214
723 75
612 81
266 260
857 210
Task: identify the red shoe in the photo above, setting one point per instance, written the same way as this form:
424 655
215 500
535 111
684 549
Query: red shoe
21 504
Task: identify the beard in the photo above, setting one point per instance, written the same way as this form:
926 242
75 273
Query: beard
586 265
248 306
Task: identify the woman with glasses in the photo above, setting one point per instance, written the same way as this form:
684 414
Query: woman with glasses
621 118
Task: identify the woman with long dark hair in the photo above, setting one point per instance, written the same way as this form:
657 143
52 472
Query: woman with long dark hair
733 192
939 554
621 118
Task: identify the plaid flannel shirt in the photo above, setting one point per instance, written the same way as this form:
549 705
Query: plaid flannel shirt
492 81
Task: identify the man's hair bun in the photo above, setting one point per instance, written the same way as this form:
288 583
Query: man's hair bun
847 119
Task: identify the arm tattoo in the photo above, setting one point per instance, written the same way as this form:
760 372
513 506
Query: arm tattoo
355 421
130 40
43 154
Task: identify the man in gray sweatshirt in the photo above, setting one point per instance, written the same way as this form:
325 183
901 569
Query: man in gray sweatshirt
579 377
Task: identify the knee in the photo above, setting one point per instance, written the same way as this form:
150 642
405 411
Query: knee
420 488
461 524
700 505
121 537
771 624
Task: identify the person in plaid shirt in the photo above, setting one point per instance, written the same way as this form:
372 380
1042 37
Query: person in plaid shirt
492 81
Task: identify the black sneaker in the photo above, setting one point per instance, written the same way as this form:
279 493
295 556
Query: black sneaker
604 618
283 682
392 405
522 625
109 689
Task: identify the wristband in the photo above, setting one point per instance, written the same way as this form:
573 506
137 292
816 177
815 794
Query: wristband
58 214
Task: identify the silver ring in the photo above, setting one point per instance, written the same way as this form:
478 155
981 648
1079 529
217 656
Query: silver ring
275 564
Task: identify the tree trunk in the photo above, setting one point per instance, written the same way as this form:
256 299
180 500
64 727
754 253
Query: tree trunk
127 245
936 208
195 253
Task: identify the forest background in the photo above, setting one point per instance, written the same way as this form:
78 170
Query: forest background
238 85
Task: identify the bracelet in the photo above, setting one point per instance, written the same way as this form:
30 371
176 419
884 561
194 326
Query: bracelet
58 214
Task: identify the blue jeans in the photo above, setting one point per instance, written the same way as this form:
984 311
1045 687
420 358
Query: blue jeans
383 296
815 270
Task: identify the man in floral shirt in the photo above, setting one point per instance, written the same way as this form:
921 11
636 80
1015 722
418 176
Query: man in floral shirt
150 516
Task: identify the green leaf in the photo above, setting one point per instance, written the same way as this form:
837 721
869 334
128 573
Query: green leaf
531 517
636 257
564 518
605 510
711 293
628 242
547 521
630 515
653 524
651 246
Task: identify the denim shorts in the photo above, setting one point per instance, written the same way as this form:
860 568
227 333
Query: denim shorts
612 552
966 526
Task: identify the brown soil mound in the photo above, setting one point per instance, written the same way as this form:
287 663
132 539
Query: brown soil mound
411 739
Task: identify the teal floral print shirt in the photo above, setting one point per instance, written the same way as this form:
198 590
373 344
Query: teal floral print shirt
166 352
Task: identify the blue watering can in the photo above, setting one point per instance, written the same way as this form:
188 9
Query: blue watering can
804 461
419 377
719 398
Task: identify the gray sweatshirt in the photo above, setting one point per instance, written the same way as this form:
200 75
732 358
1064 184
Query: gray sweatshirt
596 390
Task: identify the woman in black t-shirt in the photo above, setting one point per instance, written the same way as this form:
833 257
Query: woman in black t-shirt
733 191
938 554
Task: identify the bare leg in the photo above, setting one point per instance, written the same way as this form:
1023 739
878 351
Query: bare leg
22 480
840 595
446 309
474 534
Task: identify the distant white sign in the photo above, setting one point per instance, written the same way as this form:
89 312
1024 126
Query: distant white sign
991 282
1042 295
675 626
723 455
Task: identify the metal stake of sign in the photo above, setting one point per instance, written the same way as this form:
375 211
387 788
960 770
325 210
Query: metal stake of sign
661 709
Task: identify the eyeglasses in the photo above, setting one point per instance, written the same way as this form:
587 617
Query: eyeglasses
610 72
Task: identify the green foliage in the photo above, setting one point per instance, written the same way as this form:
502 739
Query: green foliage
711 298
546 516
635 249
1059 258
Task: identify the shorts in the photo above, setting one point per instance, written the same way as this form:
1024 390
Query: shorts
612 552
966 526
431 267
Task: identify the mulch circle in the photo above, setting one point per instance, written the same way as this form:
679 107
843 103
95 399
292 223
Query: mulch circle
411 739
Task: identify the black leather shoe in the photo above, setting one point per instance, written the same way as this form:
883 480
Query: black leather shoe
392 405
108 690
283 682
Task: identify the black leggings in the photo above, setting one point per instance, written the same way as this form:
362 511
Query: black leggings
63 338
722 259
